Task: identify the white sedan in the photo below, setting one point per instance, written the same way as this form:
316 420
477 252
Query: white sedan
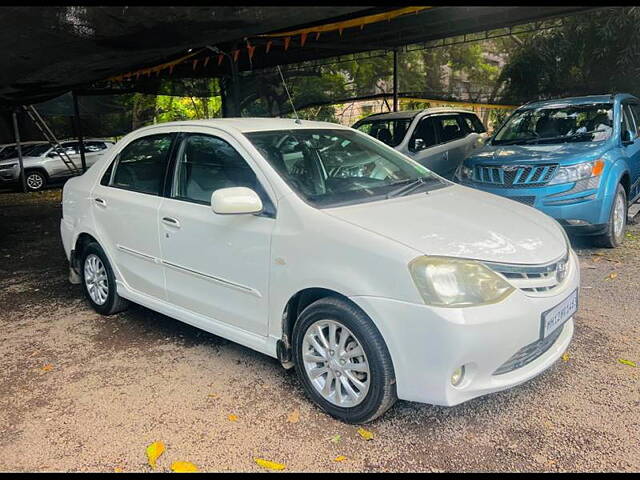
329 250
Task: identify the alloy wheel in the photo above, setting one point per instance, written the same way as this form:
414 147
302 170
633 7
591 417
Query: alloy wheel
95 279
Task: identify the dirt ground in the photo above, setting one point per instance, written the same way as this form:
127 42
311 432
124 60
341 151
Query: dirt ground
82 392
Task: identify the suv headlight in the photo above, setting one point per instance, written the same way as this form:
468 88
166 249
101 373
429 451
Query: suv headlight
464 173
579 171
451 282
8 166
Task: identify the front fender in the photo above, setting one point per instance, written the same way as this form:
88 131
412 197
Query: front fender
609 185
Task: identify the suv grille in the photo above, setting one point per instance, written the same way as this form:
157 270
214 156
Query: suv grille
529 353
514 176
534 279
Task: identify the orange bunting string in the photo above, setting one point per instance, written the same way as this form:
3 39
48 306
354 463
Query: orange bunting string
250 50
317 35
195 64
340 31
206 62
303 38
170 69
220 57
286 43
235 55
268 46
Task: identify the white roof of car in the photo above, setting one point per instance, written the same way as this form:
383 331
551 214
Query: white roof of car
248 124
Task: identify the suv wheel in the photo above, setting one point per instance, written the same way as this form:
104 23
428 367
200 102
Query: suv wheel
614 234
98 281
343 362
35 180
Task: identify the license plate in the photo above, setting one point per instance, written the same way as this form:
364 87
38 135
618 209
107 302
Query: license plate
552 319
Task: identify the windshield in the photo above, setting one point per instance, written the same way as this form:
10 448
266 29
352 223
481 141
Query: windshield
390 132
557 124
336 167
39 150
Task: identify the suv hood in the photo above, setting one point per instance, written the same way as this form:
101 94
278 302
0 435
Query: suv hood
462 222
557 153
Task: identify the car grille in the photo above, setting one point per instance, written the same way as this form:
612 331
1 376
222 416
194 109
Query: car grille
529 353
538 279
514 176
526 200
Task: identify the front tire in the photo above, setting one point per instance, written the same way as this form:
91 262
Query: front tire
99 283
342 361
36 180
614 235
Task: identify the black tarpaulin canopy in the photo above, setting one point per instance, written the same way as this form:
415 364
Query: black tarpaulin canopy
51 50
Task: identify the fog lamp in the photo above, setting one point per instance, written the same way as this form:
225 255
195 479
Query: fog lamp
457 376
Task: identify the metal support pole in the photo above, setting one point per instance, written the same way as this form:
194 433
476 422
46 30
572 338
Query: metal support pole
16 132
76 125
395 79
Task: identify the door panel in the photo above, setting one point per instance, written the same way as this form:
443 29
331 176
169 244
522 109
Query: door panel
126 212
215 265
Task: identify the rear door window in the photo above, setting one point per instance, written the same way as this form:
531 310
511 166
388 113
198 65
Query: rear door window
140 165
424 135
473 123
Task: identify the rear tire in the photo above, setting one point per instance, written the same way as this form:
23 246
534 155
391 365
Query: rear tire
35 180
360 387
98 281
614 234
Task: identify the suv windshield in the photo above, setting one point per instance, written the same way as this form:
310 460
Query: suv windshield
390 132
337 167
557 124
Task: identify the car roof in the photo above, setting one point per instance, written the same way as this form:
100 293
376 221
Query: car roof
586 99
250 124
408 114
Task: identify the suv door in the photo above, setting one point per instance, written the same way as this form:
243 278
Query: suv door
55 166
93 151
633 151
125 208
216 265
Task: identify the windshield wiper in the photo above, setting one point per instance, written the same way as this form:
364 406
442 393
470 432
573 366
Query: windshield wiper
405 189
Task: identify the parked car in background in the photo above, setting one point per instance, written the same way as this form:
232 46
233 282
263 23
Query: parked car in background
576 159
438 138
43 164
329 250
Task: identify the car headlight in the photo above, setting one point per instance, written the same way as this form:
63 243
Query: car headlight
579 171
451 282
8 166
464 172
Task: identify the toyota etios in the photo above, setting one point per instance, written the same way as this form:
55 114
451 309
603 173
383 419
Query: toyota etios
319 245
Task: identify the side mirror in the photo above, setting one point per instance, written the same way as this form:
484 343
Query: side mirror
418 144
53 154
626 137
235 201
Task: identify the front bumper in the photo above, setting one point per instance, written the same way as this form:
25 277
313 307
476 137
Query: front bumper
562 202
427 344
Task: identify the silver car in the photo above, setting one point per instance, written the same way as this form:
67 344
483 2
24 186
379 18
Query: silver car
438 138
43 164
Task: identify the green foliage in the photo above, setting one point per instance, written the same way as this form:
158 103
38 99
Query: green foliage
592 53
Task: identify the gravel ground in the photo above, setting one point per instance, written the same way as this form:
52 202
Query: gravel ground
81 392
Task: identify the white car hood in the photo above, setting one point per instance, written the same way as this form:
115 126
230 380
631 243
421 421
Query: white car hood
461 222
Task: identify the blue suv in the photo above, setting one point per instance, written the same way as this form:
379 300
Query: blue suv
576 159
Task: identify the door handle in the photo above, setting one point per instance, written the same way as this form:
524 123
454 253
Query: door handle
100 202
171 221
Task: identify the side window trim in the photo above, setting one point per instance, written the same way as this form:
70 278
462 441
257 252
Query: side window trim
116 161
269 210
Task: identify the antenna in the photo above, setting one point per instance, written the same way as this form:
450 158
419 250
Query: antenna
288 95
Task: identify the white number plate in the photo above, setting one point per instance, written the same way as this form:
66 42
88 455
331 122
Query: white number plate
553 318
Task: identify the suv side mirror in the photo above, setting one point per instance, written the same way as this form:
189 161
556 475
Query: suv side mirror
53 154
418 144
235 201
626 137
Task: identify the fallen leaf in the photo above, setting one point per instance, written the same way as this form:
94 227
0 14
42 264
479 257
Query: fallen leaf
232 418
213 395
336 438
340 458
294 417
269 464
183 467
612 275
153 452
565 357
627 362
47 368
117 470
366 434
